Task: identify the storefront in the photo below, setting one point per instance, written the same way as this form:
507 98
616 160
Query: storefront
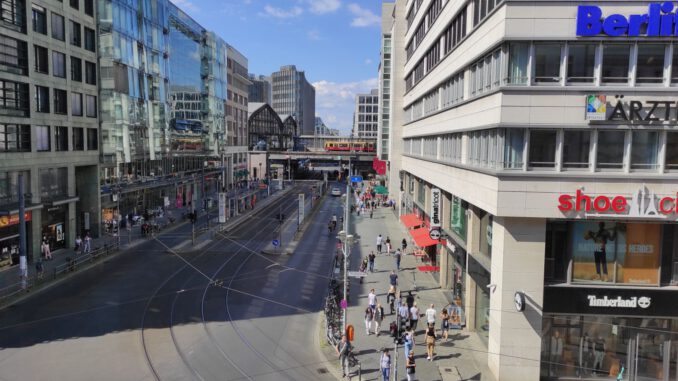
9 239
479 305
54 226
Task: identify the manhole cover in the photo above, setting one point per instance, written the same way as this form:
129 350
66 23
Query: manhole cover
322 370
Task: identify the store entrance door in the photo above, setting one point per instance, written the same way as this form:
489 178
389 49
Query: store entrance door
655 357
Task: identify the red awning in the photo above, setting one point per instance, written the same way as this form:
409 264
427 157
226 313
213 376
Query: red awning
428 268
410 220
422 239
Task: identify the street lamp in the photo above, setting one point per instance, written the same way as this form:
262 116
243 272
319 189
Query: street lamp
347 241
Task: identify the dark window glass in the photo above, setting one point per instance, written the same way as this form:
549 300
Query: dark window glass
616 63
557 257
78 139
41 99
650 66
13 55
76 104
89 7
581 63
92 139
15 138
547 63
58 31
644 149
39 19
43 139
41 59
91 106
14 99
90 40
674 65
75 4
60 101
61 138
90 73
610 149
672 150
53 183
75 33
576 149
58 64
76 69
542 148
13 14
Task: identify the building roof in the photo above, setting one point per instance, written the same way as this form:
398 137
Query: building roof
254 106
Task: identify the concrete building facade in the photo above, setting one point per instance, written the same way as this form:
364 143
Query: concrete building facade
294 95
543 139
48 125
260 90
237 114
385 75
366 115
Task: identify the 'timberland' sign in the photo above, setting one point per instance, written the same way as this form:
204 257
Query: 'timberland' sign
660 20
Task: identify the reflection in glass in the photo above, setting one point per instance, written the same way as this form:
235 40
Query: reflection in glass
616 63
610 149
650 66
576 149
644 149
547 63
542 148
580 62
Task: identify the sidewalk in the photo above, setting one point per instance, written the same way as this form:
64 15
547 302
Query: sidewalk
462 357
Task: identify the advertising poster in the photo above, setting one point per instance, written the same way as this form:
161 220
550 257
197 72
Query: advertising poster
595 107
640 264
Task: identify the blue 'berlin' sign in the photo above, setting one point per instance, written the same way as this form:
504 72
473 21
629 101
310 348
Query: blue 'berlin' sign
660 20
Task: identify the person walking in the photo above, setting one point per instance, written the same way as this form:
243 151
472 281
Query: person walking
430 342
385 365
371 258
403 314
398 257
404 244
343 349
78 245
431 315
409 300
46 251
390 298
378 317
39 268
388 245
369 316
380 240
408 340
393 278
445 319
88 243
414 316
372 300
410 367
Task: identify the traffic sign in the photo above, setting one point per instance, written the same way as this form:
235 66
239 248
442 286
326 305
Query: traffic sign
434 234
356 179
275 242
357 274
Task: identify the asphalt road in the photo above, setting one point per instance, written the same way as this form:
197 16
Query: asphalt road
224 312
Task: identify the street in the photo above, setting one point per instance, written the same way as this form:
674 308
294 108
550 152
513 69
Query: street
226 312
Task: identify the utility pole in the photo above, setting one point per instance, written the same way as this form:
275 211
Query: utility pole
23 257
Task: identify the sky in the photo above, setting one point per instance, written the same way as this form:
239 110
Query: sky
336 43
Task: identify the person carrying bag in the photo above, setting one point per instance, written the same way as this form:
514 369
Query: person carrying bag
410 367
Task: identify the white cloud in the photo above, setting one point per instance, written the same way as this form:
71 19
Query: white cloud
186 5
363 17
334 102
320 7
368 61
282 13
313 35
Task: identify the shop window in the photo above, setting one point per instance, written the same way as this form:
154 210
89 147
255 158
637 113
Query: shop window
557 257
543 148
60 102
644 150
576 149
616 63
610 153
15 138
669 274
43 139
547 63
485 234
458 220
39 18
78 139
514 145
58 31
41 59
650 63
421 192
58 64
61 138
519 53
672 151
41 99
581 60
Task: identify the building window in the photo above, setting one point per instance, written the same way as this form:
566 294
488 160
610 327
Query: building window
90 40
15 138
514 145
92 139
672 150
89 7
543 148
13 98
39 19
41 99
58 64
674 65
13 55
616 63
91 106
421 192
90 73
610 153
13 13
644 149
43 139
78 139
650 63
61 138
581 60
9 182
53 183
41 59
76 104
58 27
547 63
76 69
576 148
75 34
60 101
75 4
519 53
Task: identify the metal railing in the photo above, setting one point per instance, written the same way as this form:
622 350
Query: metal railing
72 263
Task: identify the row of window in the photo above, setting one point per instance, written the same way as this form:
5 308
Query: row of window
425 25
483 8
412 13
58 28
17 138
444 96
13 55
554 149
60 97
59 66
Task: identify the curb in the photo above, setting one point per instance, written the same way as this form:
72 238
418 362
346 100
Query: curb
321 344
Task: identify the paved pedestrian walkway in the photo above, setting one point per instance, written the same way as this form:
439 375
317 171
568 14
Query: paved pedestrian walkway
462 357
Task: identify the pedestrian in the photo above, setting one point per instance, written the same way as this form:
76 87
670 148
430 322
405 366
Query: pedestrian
385 365
46 250
378 318
431 315
414 316
398 257
88 243
404 244
369 316
372 299
445 318
410 367
343 349
409 300
403 313
371 258
408 340
393 278
388 245
78 245
430 342
39 268
390 298
380 239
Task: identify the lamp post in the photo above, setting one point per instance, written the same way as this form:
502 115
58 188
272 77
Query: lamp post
347 241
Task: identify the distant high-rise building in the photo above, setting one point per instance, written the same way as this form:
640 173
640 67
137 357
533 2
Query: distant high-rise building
385 75
366 115
294 95
260 89
237 113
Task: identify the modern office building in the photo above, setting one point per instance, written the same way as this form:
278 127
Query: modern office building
541 138
366 115
48 124
385 75
294 95
236 114
321 128
260 89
